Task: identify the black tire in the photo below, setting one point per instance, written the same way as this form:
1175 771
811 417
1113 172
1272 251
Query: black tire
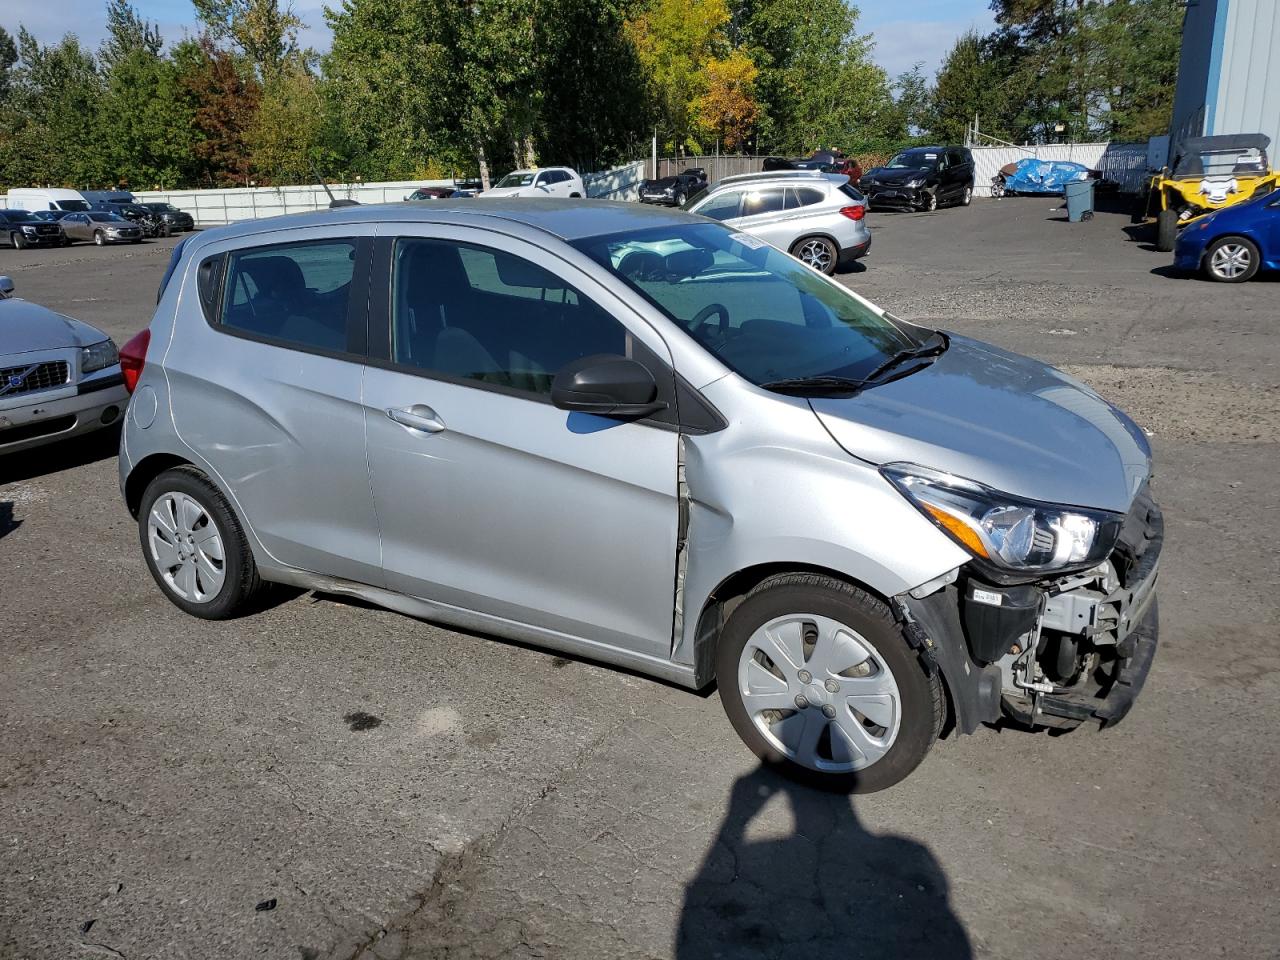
930 203
1246 248
1166 230
18 240
829 260
680 198
922 703
575 196
241 583
99 238
966 197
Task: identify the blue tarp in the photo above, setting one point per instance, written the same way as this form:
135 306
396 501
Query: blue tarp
1044 176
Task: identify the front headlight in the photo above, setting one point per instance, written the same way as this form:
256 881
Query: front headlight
26 229
98 355
1011 533
917 183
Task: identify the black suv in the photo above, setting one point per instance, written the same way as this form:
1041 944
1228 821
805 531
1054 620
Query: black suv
151 223
178 220
23 230
921 178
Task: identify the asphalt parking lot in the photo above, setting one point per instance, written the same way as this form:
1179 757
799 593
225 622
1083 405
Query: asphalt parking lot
400 790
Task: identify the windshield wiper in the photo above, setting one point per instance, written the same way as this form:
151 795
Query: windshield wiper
935 344
815 385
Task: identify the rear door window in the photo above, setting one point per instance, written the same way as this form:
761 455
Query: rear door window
294 294
770 200
803 197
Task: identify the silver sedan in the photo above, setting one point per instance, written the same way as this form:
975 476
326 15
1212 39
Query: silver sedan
101 228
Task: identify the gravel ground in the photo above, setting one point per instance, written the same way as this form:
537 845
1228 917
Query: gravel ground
392 790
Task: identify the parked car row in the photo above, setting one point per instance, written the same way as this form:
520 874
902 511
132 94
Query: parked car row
58 217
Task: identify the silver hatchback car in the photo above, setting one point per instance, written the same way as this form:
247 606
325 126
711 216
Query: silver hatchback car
819 218
642 437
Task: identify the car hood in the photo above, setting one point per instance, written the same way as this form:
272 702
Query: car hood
661 184
1005 420
895 175
507 191
26 326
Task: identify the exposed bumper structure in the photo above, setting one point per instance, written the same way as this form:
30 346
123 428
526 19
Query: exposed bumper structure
1055 654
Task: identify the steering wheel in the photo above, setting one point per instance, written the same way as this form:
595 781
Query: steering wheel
699 325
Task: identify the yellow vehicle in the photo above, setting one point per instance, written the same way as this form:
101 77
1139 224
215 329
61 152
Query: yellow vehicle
1208 173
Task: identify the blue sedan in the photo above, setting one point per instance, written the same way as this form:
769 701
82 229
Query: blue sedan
1232 245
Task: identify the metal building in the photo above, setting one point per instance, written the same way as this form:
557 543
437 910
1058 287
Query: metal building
1229 74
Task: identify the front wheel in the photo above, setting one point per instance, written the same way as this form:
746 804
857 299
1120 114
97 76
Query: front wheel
930 202
99 239
817 252
817 678
1231 260
967 197
18 240
195 547
1166 230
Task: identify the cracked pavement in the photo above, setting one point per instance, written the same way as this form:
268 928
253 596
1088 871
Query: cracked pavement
161 776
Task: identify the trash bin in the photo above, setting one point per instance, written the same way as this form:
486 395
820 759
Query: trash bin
1079 196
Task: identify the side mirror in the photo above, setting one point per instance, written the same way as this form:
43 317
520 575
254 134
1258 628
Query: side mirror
606 385
6 287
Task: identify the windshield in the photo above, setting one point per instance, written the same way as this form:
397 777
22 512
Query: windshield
16 216
516 180
914 159
1223 163
760 312
77 205
48 215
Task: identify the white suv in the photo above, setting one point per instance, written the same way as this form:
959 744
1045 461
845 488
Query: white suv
539 182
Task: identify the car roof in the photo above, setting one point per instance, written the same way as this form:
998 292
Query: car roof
566 219
772 175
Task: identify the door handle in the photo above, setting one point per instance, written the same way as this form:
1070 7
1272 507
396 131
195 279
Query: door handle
418 417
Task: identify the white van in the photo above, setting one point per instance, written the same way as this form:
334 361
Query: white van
46 198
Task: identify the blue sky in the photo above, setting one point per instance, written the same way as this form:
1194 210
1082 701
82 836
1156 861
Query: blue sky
905 31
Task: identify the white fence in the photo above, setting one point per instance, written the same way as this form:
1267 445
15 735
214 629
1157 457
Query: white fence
1125 163
211 207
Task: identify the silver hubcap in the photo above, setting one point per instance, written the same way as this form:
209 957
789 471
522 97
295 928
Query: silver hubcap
816 254
968 195
1230 260
186 547
819 693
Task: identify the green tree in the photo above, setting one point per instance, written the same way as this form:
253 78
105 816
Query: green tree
287 131
974 80
262 30
914 99
127 33
818 86
145 129
54 99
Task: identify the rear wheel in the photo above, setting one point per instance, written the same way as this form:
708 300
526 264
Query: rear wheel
817 678
1166 230
1231 260
817 252
195 547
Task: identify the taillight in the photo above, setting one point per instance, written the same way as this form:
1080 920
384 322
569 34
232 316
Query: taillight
856 212
133 355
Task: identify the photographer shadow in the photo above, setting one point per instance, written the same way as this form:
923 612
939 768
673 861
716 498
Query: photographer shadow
828 888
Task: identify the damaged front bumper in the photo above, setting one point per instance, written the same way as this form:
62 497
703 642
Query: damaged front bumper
1050 654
